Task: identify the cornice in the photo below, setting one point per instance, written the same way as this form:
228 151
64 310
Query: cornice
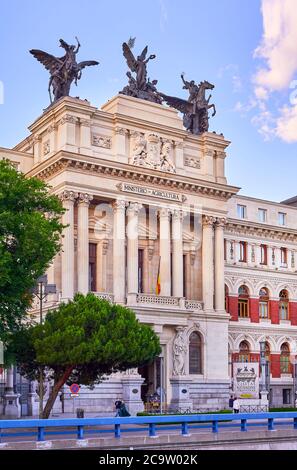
77 162
248 228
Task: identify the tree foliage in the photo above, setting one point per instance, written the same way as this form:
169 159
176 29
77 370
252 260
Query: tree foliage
81 341
30 234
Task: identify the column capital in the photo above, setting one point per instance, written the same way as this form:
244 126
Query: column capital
120 130
208 220
164 212
177 214
221 222
68 195
134 208
84 198
119 204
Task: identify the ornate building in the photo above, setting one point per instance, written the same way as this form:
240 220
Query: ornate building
143 194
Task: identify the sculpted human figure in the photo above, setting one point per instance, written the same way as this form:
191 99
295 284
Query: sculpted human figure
63 70
179 352
165 161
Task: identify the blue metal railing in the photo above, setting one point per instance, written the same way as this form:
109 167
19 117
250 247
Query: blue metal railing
40 427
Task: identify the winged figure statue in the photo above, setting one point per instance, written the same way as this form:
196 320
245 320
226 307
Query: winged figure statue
140 86
63 70
195 109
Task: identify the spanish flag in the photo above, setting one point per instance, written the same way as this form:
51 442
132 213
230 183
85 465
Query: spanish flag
158 285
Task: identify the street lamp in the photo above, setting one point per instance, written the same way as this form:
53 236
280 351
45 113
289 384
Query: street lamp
263 363
41 291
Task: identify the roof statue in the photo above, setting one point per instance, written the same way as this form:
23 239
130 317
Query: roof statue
195 109
139 86
63 70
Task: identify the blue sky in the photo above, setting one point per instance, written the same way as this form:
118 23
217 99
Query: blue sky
247 48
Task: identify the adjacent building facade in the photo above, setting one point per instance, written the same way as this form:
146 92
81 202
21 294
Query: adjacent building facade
143 197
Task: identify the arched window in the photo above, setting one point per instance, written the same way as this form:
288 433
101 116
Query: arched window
283 305
285 359
226 298
243 302
263 303
244 352
195 353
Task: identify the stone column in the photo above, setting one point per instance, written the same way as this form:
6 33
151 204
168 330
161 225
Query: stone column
11 408
165 271
83 242
119 266
67 256
207 262
219 265
119 147
85 137
101 268
177 253
220 167
148 279
66 133
132 247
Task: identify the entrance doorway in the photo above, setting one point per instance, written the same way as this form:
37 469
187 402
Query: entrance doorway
154 382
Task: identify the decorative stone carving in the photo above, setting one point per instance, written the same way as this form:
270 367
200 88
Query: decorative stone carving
68 196
293 259
139 150
231 250
101 141
46 148
68 118
119 204
179 352
120 130
134 207
84 198
151 152
208 220
221 221
165 160
192 162
253 253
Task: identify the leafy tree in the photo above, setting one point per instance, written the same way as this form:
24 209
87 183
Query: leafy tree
30 234
81 341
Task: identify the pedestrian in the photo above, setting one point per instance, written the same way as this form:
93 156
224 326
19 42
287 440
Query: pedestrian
231 401
123 410
236 405
118 404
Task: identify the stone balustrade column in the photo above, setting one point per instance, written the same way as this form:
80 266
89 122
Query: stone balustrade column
165 250
207 262
177 253
219 265
67 256
132 247
84 200
119 255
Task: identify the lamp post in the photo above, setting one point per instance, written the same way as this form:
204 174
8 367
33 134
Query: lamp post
263 361
41 291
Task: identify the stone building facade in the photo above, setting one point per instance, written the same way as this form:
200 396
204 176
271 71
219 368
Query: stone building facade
142 194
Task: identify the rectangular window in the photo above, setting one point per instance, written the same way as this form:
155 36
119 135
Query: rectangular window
283 252
262 214
263 249
281 218
242 251
92 266
263 309
241 211
286 396
140 271
243 308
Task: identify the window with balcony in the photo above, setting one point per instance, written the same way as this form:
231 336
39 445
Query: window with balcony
285 359
263 303
195 353
283 305
243 251
281 218
284 257
263 254
241 211
262 215
243 302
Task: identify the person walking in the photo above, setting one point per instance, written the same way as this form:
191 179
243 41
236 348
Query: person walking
123 410
236 405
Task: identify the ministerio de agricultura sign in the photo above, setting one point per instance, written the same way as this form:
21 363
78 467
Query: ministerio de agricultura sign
145 191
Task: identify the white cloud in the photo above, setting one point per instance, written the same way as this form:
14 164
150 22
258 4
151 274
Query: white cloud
278 50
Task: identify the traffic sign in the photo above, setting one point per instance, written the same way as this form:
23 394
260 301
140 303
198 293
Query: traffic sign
74 389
